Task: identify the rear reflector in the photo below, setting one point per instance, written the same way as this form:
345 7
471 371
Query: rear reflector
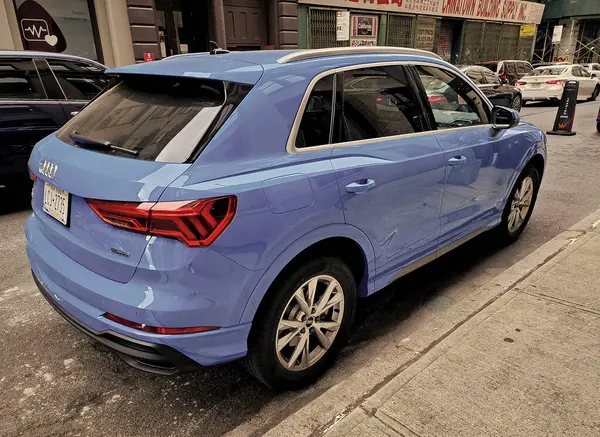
158 330
32 176
195 223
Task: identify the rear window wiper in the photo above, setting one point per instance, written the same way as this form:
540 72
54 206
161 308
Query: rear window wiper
91 143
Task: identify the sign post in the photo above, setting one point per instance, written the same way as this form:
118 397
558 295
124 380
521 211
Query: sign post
565 117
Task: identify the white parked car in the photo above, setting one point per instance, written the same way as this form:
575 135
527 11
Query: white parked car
593 67
548 82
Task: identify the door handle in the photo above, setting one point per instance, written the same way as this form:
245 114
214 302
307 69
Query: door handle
457 160
361 186
74 113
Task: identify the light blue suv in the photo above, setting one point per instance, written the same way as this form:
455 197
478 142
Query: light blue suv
211 207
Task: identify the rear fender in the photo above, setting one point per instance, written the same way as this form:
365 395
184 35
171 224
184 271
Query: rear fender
302 243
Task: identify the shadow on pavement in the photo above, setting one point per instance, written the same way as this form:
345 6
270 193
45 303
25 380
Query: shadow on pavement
15 200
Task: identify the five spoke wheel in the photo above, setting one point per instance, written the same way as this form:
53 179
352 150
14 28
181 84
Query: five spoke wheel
520 204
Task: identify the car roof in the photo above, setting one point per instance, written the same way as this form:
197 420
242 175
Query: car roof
249 66
32 53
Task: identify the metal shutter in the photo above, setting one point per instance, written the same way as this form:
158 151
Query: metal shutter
444 40
425 34
322 29
400 30
472 43
509 41
491 42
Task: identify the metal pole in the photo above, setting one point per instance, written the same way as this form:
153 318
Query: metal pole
571 38
218 15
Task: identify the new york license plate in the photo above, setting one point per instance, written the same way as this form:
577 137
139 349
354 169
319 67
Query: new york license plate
56 203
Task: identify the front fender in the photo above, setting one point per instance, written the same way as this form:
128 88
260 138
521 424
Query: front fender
302 243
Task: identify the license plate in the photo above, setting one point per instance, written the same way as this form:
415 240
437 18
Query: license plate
56 203
535 85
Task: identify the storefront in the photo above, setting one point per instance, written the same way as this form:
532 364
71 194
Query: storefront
460 31
121 32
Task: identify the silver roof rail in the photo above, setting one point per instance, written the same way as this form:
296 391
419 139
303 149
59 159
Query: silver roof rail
301 55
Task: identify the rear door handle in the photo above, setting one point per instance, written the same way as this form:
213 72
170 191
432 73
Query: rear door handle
361 186
457 160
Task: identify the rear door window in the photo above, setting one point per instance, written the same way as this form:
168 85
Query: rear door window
378 102
78 80
19 80
153 118
475 75
315 125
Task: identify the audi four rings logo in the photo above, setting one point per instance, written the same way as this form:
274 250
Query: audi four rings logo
48 169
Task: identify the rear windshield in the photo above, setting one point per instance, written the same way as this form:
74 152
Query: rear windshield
548 71
149 117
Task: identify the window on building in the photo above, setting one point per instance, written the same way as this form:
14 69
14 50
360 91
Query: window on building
315 125
454 103
79 81
19 80
378 102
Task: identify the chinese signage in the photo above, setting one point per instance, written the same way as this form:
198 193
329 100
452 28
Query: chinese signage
343 25
515 11
56 26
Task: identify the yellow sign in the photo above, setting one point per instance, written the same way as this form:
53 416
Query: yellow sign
527 30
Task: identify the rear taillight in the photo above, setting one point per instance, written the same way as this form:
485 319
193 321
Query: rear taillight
32 176
520 83
195 223
435 98
555 82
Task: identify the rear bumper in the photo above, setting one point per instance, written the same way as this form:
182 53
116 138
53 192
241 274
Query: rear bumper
150 357
82 297
531 95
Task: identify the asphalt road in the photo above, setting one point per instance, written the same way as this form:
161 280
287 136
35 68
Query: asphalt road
56 382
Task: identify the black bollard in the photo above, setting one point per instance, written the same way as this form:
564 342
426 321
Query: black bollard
565 117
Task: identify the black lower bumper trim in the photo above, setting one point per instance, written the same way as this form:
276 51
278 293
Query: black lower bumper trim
149 357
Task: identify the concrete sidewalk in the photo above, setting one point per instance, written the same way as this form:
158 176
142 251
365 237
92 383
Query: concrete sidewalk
521 358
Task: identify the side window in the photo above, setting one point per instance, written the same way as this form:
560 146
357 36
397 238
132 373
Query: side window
510 68
583 72
453 102
491 78
316 121
385 106
576 72
79 81
475 75
19 80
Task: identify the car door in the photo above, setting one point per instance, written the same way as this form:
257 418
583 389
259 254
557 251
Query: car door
26 116
477 175
494 90
79 81
588 81
389 168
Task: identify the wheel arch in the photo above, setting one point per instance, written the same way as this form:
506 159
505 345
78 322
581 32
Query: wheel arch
345 241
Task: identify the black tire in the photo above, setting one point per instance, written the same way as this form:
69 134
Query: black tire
594 94
262 361
504 234
517 103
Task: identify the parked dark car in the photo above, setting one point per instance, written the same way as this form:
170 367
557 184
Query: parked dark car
38 93
510 71
500 94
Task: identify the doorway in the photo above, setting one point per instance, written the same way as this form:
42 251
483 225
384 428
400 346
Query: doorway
182 26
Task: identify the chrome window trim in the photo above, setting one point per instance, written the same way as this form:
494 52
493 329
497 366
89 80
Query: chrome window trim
291 143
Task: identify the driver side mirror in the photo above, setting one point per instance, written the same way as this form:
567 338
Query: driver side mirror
594 74
504 118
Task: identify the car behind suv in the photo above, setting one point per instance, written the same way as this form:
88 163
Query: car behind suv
38 93
209 208
509 71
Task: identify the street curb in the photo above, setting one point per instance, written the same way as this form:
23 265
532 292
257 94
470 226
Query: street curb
366 389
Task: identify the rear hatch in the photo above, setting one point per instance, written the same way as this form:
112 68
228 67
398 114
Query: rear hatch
127 145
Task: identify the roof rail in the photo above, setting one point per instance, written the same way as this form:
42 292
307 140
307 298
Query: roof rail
301 55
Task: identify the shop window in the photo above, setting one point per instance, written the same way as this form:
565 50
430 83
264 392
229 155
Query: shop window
19 80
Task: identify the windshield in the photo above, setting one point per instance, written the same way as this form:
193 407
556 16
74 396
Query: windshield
491 65
548 71
157 118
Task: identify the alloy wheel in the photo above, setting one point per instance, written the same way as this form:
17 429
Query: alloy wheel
520 204
309 323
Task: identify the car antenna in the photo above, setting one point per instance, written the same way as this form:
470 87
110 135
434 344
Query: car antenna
216 50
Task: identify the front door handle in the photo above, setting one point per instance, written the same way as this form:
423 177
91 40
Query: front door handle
361 186
457 160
